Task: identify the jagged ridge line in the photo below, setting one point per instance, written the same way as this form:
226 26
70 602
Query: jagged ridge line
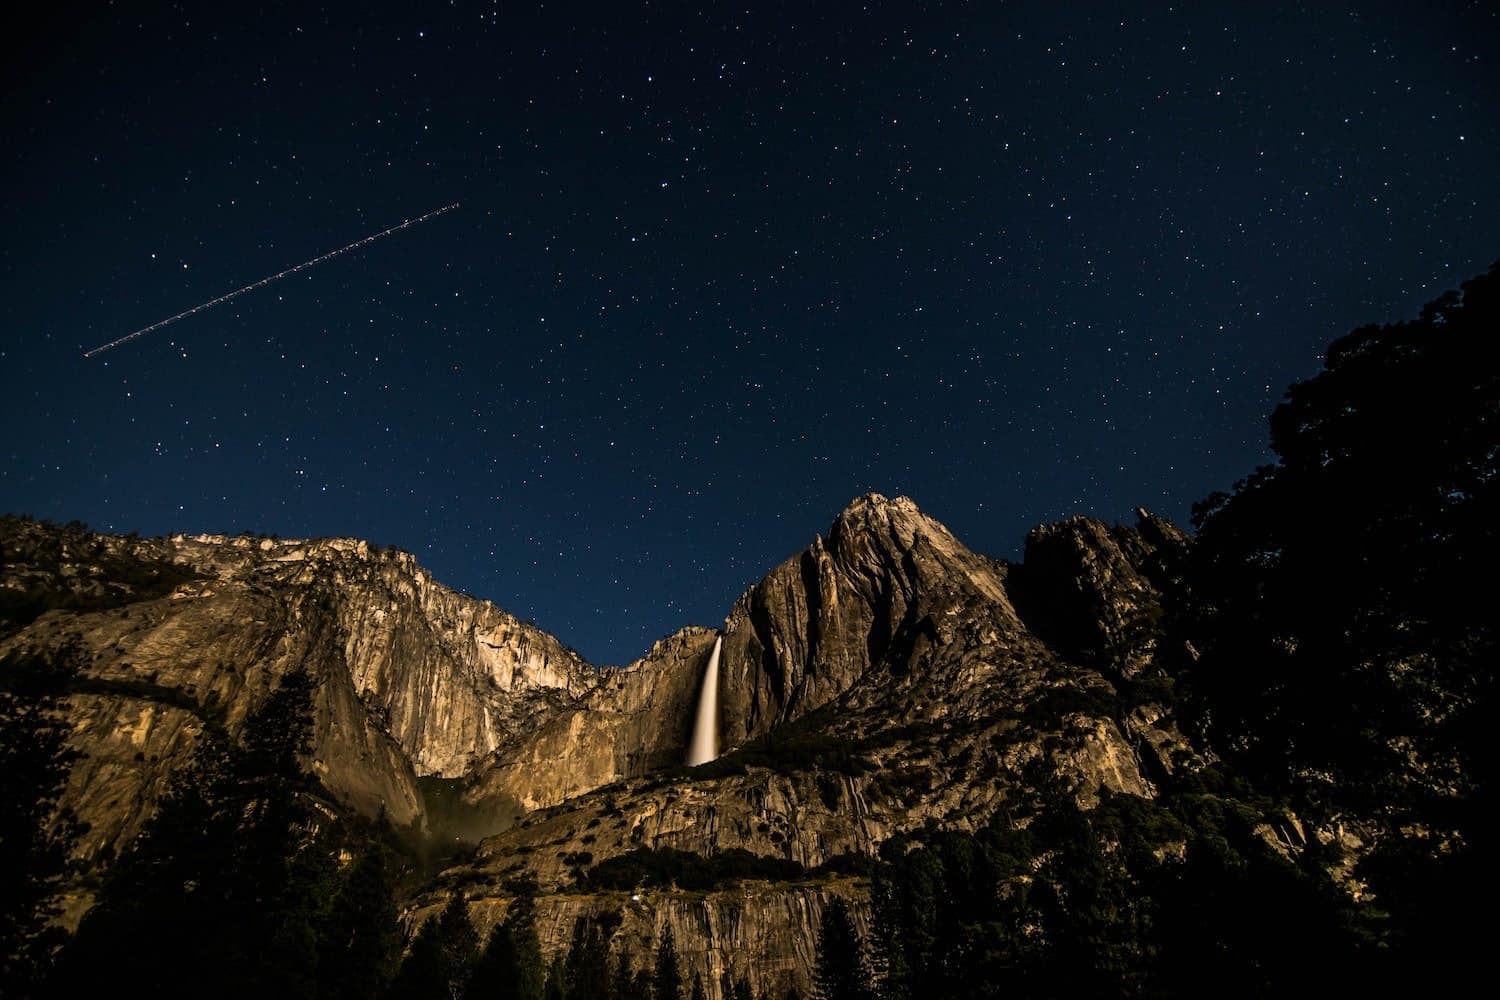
263 282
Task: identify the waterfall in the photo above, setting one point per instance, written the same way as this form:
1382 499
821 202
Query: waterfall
705 744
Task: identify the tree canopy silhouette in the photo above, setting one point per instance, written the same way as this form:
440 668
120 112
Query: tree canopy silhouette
1347 636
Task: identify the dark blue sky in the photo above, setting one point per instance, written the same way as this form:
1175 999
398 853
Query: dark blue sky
713 274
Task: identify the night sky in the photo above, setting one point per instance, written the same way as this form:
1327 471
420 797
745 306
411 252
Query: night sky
713 274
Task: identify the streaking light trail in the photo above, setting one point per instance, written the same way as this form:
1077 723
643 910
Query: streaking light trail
263 282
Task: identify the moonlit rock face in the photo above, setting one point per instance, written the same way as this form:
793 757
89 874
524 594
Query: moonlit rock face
414 678
705 744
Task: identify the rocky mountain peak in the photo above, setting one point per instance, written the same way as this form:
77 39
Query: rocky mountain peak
875 682
898 519
879 503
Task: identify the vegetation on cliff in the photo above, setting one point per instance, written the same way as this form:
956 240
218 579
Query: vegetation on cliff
246 878
118 576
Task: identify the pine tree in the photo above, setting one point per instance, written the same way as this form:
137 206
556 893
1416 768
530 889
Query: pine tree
587 972
229 880
735 989
557 980
496 969
167 886
668 982
698 993
285 871
841 971
438 964
531 967
622 983
360 936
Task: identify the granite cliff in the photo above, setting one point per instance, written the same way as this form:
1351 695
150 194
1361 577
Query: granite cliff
886 680
413 677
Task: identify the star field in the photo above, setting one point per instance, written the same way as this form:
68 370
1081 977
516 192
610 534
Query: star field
714 274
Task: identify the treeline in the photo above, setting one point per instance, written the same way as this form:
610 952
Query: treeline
111 576
447 960
35 840
1187 895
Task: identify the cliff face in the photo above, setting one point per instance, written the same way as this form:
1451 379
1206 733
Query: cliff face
633 721
413 678
891 641
883 680
798 640
764 934
818 622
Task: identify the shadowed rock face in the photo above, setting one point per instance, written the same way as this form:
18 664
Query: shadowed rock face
812 628
1093 591
883 679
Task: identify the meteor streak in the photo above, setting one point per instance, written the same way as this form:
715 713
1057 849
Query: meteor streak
263 282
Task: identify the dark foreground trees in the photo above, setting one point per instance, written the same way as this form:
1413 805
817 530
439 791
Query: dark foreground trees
441 959
236 881
1347 629
667 985
1178 897
511 963
1348 638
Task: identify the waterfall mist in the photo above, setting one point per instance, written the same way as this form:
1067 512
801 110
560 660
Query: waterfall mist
705 743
